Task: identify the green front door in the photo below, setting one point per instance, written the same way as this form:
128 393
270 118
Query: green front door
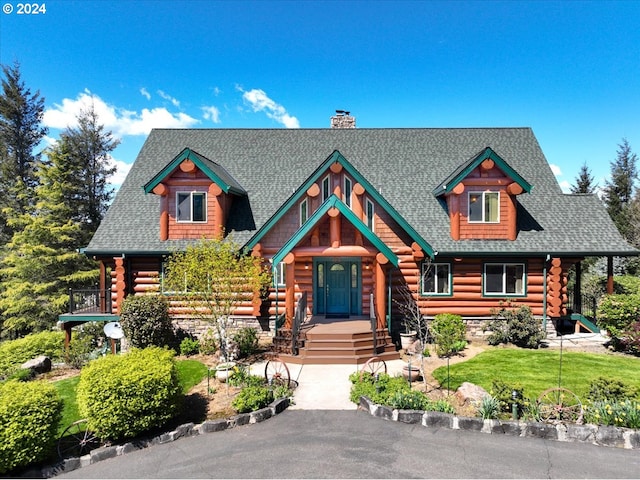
338 288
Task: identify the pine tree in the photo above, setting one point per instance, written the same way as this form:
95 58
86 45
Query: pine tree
584 181
619 191
20 133
42 260
85 153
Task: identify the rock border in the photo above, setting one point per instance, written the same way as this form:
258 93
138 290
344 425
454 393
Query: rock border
185 430
602 435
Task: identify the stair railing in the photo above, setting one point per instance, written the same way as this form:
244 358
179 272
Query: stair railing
298 318
374 323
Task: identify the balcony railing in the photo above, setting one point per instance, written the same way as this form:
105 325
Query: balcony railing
583 304
90 300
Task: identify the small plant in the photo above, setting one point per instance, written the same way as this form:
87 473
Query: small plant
189 346
489 407
282 391
625 413
246 339
408 400
22 375
449 334
252 398
503 393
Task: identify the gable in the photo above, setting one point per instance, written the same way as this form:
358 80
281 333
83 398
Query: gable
315 185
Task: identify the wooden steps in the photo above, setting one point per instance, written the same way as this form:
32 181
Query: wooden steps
341 342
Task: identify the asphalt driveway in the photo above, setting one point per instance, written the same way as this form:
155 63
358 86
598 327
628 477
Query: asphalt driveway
352 444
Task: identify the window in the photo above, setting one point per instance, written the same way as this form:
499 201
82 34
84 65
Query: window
304 211
279 277
484 207
347 191
436 279
326 187
504 279
370 214
192 207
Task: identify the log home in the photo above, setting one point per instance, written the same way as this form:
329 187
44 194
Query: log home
346 218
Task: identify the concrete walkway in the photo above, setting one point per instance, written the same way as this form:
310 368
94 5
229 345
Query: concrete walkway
324 387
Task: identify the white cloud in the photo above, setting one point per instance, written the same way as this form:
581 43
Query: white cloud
565 185
122 169
120 121
166 96
259 101
145 93
211 113
555 169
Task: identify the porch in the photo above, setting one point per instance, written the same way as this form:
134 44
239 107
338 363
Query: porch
87 305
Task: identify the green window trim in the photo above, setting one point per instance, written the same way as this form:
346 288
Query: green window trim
438 277
508 279
304 211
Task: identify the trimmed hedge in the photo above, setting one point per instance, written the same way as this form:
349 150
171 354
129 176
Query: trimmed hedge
14 353
617 312
145 321
125 395
30 415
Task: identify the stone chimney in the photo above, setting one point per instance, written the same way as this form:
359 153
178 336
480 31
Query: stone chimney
342 119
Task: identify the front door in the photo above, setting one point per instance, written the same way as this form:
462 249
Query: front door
338 288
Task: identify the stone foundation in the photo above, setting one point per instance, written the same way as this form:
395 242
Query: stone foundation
198 327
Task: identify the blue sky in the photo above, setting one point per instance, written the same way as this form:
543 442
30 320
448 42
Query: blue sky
570 70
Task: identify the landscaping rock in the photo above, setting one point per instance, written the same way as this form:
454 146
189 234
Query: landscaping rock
103 453
383 412
610 436
213 426
260 415
470 423
437 419
634 439
581 433
41 364
510 428
470 395
410 416
541 430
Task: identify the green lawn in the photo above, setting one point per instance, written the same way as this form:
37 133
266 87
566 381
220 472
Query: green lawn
190 373
537 370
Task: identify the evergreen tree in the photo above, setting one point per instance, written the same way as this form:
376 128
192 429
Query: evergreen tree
619 191
20 133
42 260
85 153
584 181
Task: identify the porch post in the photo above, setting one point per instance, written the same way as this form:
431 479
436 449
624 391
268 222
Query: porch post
289 290
120 283
381 294
577 289
610 275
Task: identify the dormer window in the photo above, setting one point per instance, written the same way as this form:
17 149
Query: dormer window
347 191
326 187
484 207
192 206
369 210
304 211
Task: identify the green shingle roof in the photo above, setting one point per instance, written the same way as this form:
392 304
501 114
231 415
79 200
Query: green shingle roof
404 165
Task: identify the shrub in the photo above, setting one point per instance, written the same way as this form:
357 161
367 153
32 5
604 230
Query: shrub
617 312
630 339
14 353
30 414
449 332
145 321
208 345
610 389
515 325
252 398
378 391
408 400
189 346
246 339
125 395
22 375
503 393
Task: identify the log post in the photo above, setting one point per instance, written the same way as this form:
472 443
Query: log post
381 295
289 289
610 275
120 283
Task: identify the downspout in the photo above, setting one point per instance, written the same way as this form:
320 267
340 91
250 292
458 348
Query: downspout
544 290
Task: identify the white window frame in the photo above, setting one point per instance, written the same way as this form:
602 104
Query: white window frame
347 191
304 211
426 266
521 292
280 275
191 209
326 192
370 220
483 196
